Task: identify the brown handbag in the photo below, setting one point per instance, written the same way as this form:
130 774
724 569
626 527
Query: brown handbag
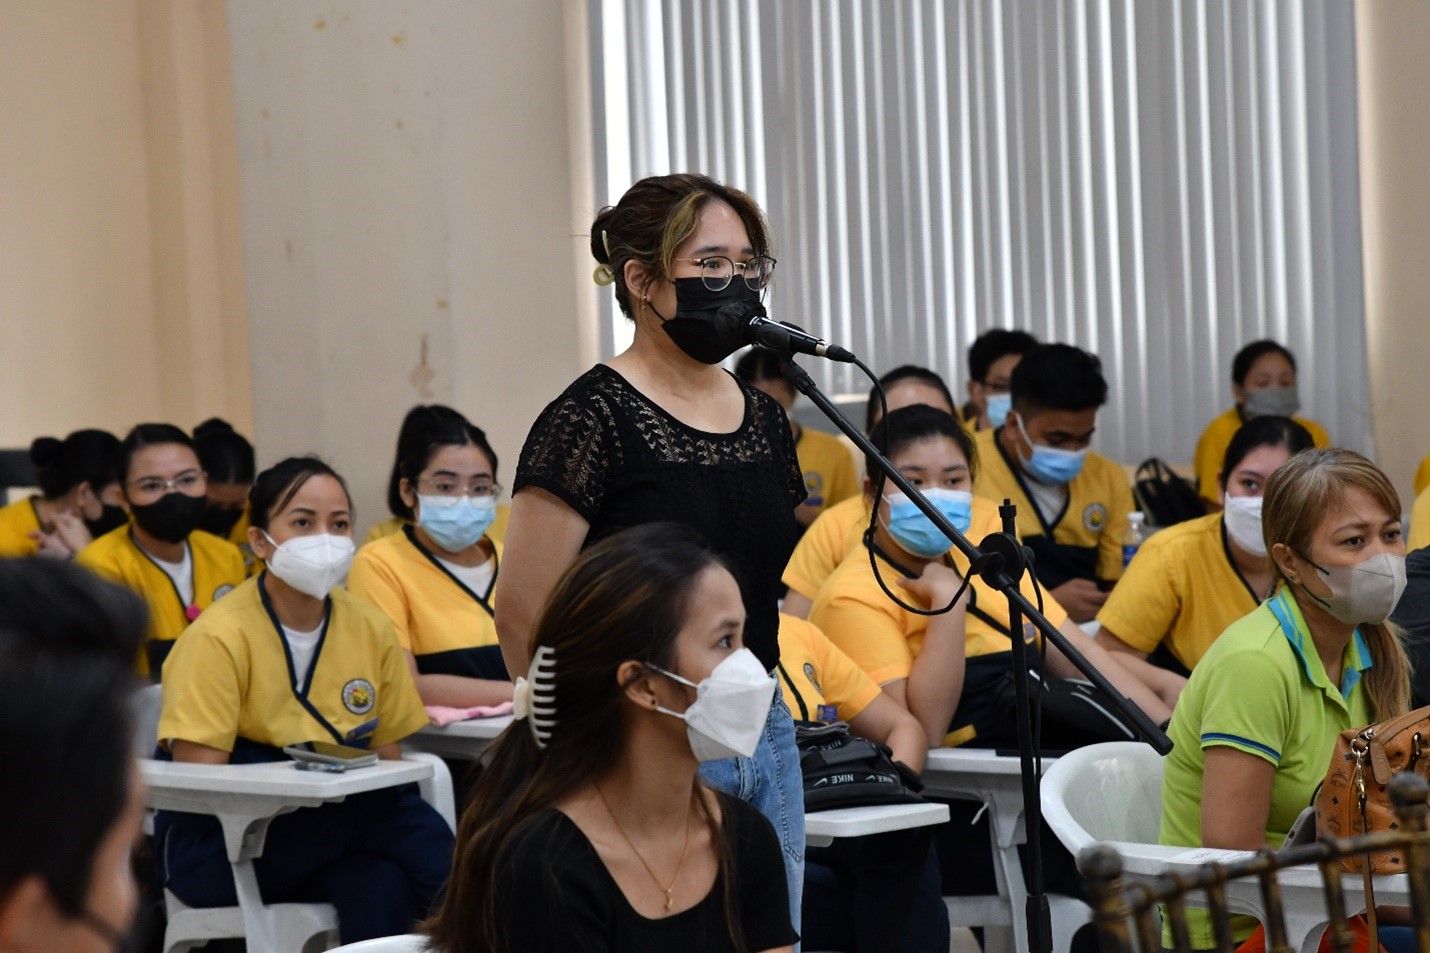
1353 800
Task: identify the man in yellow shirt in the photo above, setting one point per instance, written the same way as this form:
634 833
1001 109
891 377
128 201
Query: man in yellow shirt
991 359
1072 503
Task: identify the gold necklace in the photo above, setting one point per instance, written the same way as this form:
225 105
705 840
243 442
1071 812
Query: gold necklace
670 890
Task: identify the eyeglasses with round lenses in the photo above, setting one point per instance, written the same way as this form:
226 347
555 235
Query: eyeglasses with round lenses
716 271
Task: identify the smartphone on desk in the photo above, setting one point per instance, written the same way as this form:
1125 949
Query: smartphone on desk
326 756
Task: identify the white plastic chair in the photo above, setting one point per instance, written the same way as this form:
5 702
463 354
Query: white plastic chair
387 944
1110 792
144 707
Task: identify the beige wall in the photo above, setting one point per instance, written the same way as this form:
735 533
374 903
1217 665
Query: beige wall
120 271
1393 39
414 185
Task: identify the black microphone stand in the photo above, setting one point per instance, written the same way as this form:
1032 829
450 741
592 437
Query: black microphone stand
1000 561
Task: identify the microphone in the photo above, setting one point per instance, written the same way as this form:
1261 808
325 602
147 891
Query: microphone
781 336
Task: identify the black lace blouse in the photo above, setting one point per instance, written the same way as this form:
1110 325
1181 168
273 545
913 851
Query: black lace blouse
619 460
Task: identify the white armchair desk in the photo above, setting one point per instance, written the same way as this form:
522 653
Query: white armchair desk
247 797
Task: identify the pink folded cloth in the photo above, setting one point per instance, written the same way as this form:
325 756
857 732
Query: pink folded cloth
441 715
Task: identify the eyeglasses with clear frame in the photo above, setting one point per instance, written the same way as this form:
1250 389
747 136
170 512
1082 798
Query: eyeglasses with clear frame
187 483
717 271
445 486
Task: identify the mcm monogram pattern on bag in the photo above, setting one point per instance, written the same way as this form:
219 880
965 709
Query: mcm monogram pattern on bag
1353 799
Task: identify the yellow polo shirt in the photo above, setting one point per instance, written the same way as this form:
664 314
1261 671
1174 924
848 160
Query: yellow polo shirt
497 531
884 639
447 627
1181 589
1085 540
218 570
17 521
833 535
814 672
230 677
1419 536
828 467
1422 475
1211 449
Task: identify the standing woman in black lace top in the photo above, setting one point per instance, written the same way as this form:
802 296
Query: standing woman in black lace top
661 432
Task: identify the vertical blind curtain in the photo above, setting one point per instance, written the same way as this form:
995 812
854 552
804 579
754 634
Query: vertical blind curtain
1158 181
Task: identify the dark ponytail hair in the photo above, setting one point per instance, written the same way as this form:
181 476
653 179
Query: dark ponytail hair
624 598
85 456
226 455
1267 431
426 429
149 435
917 422
275 487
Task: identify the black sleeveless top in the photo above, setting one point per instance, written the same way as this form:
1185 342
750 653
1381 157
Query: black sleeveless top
619 460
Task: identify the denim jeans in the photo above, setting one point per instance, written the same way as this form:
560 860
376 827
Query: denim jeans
771 781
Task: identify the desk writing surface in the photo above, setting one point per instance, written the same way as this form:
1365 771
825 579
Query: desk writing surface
823 826
461 740
277 780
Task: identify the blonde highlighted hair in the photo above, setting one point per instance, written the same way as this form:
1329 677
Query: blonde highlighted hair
655 217
1297 497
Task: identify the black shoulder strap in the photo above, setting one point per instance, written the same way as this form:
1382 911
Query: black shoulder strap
481 600
302 696
798 698
1048 527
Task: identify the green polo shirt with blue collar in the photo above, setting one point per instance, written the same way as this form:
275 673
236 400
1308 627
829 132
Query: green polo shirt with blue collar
1261 689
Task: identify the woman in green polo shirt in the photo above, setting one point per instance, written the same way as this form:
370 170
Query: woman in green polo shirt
1254 730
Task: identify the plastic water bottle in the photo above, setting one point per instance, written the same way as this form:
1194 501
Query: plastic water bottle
1132 539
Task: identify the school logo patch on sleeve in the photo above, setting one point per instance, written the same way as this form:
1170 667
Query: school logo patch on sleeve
809 674
359 696
814 486
222 591
1094 517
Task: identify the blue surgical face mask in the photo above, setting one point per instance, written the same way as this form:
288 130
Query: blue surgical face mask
998 407
455 522
916 533
1049 464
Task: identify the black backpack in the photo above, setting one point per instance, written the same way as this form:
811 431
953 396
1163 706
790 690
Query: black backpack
844 770
1166 498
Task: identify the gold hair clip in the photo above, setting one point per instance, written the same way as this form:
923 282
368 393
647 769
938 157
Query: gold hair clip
604 275
606 242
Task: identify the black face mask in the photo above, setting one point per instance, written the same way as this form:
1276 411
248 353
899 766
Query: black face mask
220 520
110 518
709 325
172 517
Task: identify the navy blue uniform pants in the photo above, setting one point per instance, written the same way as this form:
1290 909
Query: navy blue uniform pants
381 858
858 889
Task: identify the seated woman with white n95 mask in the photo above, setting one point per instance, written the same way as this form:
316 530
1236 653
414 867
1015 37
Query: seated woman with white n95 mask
642 632
285 659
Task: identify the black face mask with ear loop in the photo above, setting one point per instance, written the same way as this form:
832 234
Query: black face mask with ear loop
110 518
708 325
172 517
220 520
